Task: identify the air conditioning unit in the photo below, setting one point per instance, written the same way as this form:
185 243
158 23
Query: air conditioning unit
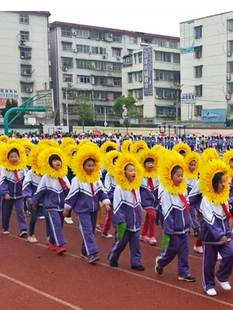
228 76
22 42
75 50
64 69
22 57
228 96
28 89
229 53
104 57
74 33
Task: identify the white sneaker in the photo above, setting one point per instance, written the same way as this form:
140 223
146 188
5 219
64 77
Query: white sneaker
219 256
5 232
32 239
224 285
198 249
106 235
42 217
68 220
211 292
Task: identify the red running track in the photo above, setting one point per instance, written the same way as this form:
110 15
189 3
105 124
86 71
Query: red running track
34 278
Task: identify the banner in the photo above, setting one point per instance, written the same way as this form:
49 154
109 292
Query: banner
214 115
148 71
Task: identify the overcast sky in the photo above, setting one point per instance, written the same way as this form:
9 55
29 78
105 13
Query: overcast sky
155 16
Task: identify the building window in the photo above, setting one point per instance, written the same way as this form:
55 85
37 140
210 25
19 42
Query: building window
198 51
66 46
85 49
67 63
85 79
166 93
130 77
176 58
230 88
26 87
140 57
230 25
24 35
24 19
197 110
230 67
162 56
68 78
138 93
26 70
198 32
133 40
165 75
198 90
25 53
117 81
98 50
130 51
116 52
116 37
84 34
66 32
198 71
230 47
166 112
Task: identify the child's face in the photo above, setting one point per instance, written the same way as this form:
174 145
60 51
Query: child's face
149 166
56 164
222 184
177 177
231 163
130 173
89 166
192 166
13 158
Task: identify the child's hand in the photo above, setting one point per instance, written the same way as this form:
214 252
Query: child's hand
7 197
66 213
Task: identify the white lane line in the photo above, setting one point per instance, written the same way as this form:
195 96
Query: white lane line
39 292
221 302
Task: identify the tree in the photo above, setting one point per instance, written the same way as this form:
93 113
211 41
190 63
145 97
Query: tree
12 104
85 110
123 104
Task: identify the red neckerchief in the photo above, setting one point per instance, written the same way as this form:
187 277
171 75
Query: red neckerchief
150 184
226 211
184 201
17 176
92 189
63 184
134 195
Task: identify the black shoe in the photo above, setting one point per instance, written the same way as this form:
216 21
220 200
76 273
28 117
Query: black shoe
187 278
92 259
158 269
138 268
23 234
113 264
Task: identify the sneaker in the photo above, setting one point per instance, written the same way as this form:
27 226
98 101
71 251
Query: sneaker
198 249
219 256
98 228
187 278
5 232
224 285
32 239
106 235
68 220
211 292
152 241
158 269
144 239
92 259
23 234
52 247
42 217
60 250
138 268
113 264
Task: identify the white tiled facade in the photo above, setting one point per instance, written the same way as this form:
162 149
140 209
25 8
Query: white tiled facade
162 104
24 59
207 66
87 61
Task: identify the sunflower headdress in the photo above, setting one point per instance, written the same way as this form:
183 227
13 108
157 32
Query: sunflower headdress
109 159
193 156
142 156
208 155
86 142
4 138
228 155
108 144
67 141
43 160
5 150
33 159
28 145
77 164
49 142
182 147
124 160
206 177
69 152
171 160
126 145
138 146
